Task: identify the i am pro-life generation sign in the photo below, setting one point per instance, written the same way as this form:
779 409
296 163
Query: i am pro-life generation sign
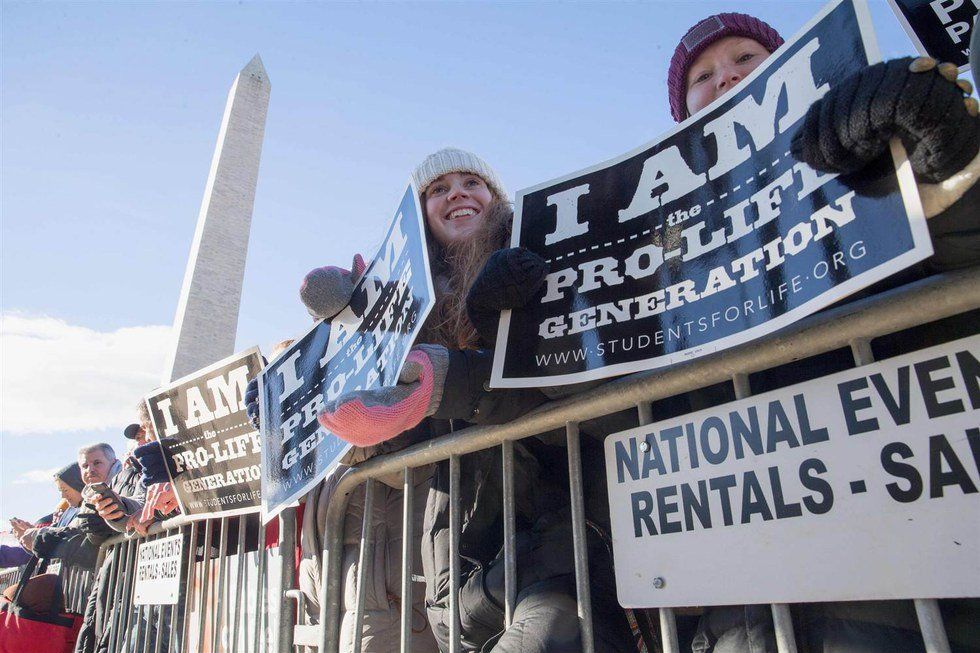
363 347
939 28
216 450
712 235
859 485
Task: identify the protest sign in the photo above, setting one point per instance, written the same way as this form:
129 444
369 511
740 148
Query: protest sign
865 480
202 421
158 571
713 235
939 28
363 347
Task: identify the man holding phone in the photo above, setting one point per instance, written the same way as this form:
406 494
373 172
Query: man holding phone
118 501
78 544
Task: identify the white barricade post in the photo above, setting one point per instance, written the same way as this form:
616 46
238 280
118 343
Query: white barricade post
865 479
158 571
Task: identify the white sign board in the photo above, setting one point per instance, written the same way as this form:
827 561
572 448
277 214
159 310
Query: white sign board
858 485
158 571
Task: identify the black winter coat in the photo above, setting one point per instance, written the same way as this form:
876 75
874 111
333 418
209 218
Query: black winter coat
542 513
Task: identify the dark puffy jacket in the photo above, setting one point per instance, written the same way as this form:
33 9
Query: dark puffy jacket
69 544
546 612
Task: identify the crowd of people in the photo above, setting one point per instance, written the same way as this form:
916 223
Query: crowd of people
444 386
102 495
444 382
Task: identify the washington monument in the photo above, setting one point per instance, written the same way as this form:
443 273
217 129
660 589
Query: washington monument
207 312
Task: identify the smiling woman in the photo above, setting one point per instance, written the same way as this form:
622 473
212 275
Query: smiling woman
454 206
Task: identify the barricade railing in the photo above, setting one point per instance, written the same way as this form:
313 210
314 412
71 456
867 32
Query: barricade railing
231 589
76 583
852 325
9 576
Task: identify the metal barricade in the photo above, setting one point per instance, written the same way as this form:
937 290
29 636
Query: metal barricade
76 583
231 596
851 325
9 576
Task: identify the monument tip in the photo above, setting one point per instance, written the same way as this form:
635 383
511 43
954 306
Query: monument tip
254 68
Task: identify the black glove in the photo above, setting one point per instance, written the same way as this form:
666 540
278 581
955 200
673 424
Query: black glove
912 99
508 280
93 525
252 403
155 460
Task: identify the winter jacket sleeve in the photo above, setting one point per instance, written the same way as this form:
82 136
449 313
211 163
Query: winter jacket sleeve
132 493
13 556
69 544
954 224
467 393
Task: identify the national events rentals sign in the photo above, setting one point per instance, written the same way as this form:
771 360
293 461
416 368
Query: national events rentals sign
859 485
158 571
712 235
202 422
939 28
363 347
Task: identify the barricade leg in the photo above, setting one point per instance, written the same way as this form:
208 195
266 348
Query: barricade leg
121 553
367 543
239 571
220 587
578 536
510 554
189 587
455 636
782 620
114 579
203 606
260 638
408 540
127 604
287 565
927 610
668 621
330 575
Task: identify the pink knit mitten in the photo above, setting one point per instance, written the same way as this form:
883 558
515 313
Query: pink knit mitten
326 291
367 417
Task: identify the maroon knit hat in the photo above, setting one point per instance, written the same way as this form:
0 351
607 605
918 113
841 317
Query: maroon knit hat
699 37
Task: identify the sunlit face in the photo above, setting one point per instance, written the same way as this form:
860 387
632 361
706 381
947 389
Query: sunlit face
95 466
145 434
720 68
68 493
455 206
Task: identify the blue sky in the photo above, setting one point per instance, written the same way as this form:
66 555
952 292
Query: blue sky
109 118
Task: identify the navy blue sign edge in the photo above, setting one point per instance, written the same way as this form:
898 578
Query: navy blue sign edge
910 199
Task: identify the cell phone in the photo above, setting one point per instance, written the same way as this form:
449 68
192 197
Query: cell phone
95 491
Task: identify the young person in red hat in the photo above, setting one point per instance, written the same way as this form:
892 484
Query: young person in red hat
919 101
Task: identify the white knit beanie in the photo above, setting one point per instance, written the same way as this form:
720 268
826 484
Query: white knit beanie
451 159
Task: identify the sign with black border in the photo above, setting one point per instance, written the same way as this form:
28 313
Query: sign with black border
215 448
712 235
940 29
361 348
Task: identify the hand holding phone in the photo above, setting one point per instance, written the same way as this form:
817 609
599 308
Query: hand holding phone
104 500
19 526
